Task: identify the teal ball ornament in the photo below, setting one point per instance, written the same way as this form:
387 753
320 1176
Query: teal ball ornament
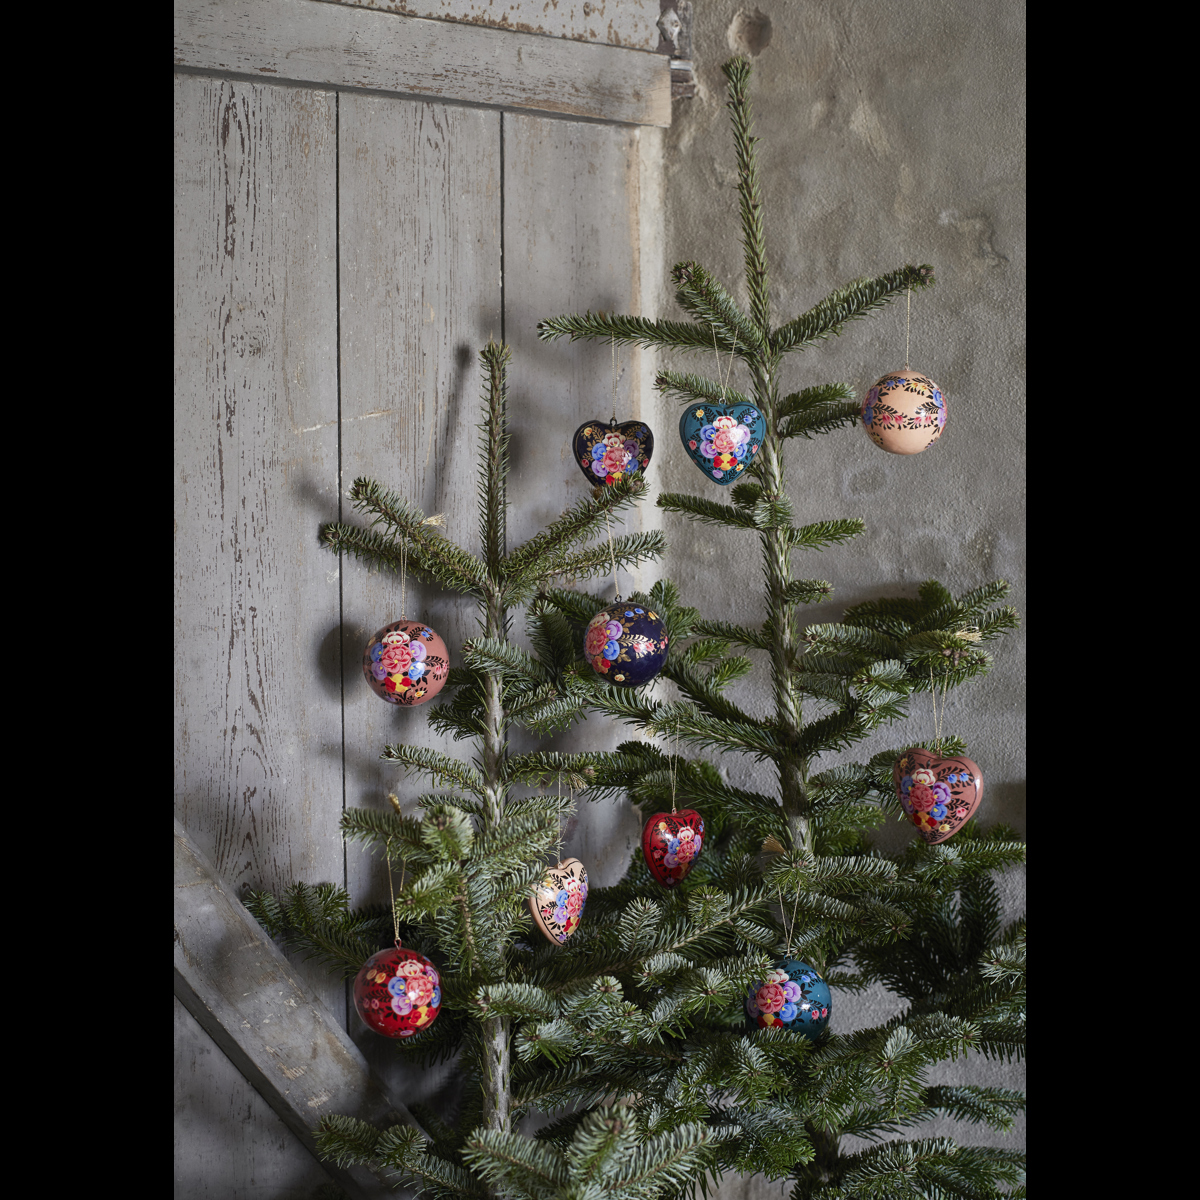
792 997
626 644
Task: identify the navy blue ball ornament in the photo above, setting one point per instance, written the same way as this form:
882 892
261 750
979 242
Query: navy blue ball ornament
722 439
626 644
608 453
792 997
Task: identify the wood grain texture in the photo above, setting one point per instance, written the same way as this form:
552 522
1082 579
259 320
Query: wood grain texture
631 23
247 997
573 241
342 46
215 1109
258 771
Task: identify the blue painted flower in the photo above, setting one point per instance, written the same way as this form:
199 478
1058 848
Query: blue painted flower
427 633
937 398
937 812
707 433
397 985
561 899
787 1012
416 670
377 652
639 611
612 651
437 997
868 415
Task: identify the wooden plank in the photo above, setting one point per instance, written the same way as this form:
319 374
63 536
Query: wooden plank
225 1132
420 294
576 237
258 771
335 45
632 23
242 991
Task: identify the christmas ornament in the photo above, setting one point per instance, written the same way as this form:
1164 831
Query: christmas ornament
609 453
398 992
557 905
904 412
940 795
792 997
406 663
671 843
626 644
721 439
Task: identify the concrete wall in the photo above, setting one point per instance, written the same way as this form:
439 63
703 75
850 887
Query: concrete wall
890 134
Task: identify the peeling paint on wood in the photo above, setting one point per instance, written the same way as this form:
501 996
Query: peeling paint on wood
346 46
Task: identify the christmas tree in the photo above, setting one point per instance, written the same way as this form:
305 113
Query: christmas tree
634 1034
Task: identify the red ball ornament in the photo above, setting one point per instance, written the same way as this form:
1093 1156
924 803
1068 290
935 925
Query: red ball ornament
904 412
671 844
406 663
940 795
398 992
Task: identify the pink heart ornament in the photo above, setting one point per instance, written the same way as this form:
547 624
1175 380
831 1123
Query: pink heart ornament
940 795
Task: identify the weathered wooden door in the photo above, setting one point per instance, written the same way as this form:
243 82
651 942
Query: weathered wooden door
361 200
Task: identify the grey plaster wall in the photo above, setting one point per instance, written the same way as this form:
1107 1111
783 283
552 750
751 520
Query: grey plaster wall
890 134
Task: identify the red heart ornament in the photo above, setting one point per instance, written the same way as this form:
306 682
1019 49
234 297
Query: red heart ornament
671 843
939 794
557 905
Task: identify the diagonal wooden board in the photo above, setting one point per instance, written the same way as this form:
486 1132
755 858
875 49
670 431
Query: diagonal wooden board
237 984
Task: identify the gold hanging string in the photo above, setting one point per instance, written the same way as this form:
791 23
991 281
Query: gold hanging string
674 766
392 891
615 361
729 370
403 578
612 557
907 329
937 717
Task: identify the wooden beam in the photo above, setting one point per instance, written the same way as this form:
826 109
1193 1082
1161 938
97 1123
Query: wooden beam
237 984
336 45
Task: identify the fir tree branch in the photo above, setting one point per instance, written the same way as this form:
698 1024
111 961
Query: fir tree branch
626 551
824 533
448 565
817 410
708 511
493 461
705 300
693 389
849 303
737 72
440 767
635 331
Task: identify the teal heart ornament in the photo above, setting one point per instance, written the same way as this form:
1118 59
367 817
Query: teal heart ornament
722 439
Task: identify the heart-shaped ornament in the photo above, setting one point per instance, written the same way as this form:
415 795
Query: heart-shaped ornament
608 453
939 794
557 905
671 843
722 439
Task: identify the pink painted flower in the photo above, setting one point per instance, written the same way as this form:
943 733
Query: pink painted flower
396 659
770 997
922 798
420 989
593 643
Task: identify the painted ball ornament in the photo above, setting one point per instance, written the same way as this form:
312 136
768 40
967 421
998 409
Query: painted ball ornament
608 453
671 844
792 997
904 412
398 992
626 644
406 663
940 795
557 905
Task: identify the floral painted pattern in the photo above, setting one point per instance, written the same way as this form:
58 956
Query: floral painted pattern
626 644
671 844
940 795
406 663
793 997
609 453
398 992
722 439
557 905
904 412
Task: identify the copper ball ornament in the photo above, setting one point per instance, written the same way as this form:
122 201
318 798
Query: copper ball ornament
904 412
406 663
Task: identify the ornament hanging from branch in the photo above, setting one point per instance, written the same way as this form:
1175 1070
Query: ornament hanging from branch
940 795
398 992
792 997
672 841
557 905
608 453
904 412
626 644
406 663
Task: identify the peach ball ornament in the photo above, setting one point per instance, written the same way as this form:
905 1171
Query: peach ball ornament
904 412
406 663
